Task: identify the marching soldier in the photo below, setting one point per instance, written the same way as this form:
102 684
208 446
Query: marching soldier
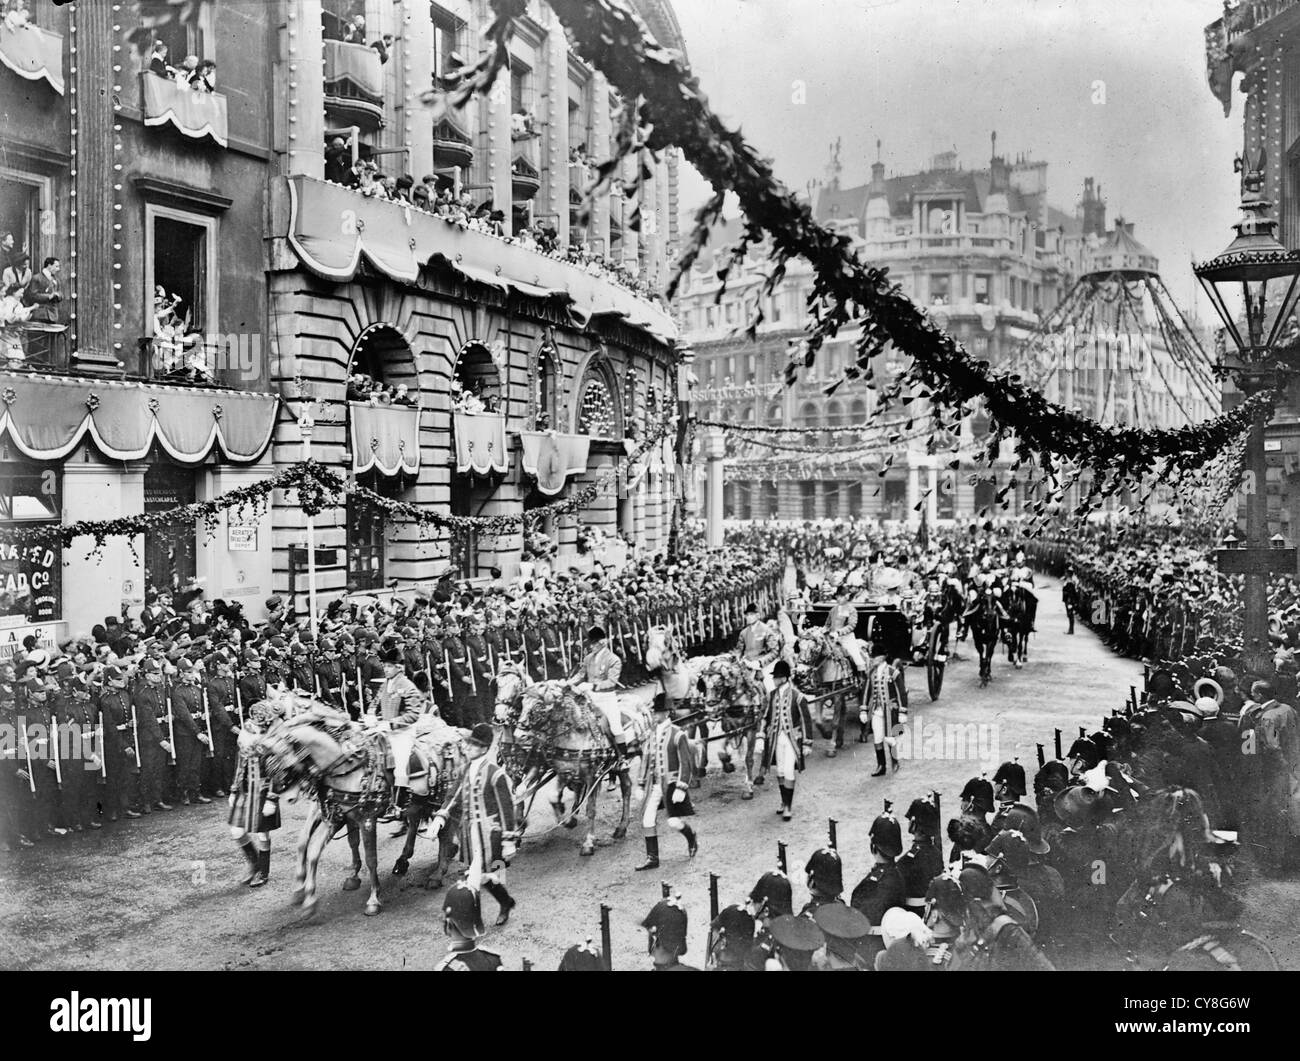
456 656
149 705
666 926
485 805
785 735
219 678
1070 596
883 708
667 769
462 920
883 887
189 724
825 873
480 668
734 948
119 746
254 804
923 861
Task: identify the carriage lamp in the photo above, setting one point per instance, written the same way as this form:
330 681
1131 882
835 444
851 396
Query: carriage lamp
1277 542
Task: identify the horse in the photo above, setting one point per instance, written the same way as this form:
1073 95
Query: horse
984 621
823 662
733 698
551 732
1016 632
346 766
438 759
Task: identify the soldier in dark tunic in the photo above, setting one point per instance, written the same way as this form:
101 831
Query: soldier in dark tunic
462 920
883 887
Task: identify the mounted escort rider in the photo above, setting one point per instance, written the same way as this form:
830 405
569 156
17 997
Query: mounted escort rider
758 646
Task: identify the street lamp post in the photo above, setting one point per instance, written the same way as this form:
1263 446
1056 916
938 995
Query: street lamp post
1265 275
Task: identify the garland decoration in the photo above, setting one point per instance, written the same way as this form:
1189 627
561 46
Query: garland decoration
665 107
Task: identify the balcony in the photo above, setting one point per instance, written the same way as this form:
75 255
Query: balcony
196 114
399 241
452 147
385 438
354 84
525 177
480 443
33 53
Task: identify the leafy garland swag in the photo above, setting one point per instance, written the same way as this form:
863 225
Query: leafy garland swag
318 488
667 108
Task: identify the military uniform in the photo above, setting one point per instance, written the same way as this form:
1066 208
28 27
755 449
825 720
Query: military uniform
189 722
883 888
483 700
221 767
464 704
150 707
667 769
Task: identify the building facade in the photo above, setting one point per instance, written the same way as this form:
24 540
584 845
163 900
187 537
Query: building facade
232 274
990 258
1253 54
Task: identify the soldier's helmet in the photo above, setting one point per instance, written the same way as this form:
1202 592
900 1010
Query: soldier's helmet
1024 820
460 907
772 895
733 931
886 836
666 923
582 958
923 818
825 871
980 793
1011 775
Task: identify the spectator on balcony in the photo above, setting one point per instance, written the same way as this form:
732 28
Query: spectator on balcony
204 79
44 292
16 15
189 68
402 188
8 248
424 194
368 180
383 46
338 163
16 276
158 60
355 31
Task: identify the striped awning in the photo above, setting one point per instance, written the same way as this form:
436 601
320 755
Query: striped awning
47 417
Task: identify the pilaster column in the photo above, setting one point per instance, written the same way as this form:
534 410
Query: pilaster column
301 137
415 53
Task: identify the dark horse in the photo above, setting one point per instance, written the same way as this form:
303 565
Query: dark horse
1017 629
984 621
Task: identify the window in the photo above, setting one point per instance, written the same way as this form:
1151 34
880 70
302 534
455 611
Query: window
30 575
731 368
181 258
940 289
26 213
711 316
730 312
169 551
982 287
579 116
808 500
597 416
365 536
749 368
521 88
446 37
185 36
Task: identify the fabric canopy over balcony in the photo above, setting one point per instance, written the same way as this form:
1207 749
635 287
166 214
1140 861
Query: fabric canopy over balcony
399 240
47 417
33 53
356 68
195 114
552 458
480 443
385 438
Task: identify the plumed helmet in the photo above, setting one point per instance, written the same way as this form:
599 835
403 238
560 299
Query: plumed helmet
980 793
924 818
1085 748
1011 775
666 923
582 958
1051 778
772 894
460 907
886 836
825 871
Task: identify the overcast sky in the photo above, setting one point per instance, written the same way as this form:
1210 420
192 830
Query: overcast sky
927 75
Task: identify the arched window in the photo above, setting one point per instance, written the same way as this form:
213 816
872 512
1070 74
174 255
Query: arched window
810 414
476 373
546 388
775 414
597 412
382 361
834 414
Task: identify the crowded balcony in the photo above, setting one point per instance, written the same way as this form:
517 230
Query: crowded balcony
195 112
399 237
28 50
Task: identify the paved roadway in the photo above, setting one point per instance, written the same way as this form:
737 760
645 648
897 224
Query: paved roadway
162 893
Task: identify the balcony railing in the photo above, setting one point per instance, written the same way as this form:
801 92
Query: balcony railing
452 146
33 53
525 176
354 83
196 114
1246 16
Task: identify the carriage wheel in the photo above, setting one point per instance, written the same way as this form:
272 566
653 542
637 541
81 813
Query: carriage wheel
935 661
